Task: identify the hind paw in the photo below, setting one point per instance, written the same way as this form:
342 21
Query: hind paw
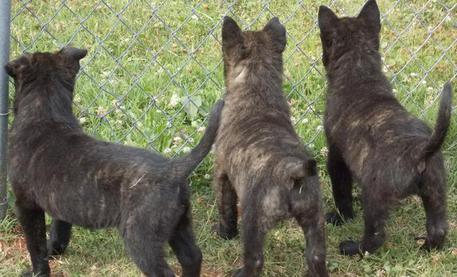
350 248
225 234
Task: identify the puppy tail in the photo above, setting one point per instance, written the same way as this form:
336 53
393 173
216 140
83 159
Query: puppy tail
442 124
297 170
183 166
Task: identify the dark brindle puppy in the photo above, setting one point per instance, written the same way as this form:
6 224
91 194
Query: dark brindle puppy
260 160
372 139
57 169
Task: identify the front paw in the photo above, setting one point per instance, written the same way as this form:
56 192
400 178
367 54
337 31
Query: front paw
239 273
31 274
225 233
334 218
431 242
350 248
54 249
428 246
27 274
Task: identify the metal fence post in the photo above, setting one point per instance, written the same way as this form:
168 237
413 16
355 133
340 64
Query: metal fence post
5 10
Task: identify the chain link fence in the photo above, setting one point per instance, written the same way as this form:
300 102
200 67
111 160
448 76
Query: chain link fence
155 67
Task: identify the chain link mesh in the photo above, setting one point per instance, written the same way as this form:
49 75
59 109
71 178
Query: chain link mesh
154 67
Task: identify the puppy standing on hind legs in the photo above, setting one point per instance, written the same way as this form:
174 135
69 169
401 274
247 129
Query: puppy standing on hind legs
260 160
57 169
372 139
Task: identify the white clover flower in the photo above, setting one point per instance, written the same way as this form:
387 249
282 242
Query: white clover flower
194 124
186 149
101 111
201 129
324 151
167 150
82 120
207 176
177 139
319 128
174 100
305 120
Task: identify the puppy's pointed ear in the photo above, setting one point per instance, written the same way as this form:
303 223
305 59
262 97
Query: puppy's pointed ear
73 52
14 67
327 20
9 68
370 14
277 33
231 33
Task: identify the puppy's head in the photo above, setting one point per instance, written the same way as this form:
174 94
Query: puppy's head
340 35
244 50
39 69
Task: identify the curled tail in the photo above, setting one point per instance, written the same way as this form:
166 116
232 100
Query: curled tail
442 124
183 166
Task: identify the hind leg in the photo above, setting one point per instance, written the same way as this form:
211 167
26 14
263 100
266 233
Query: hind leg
375 212
183 244
433 196
314 231
59 237
341 179
145 243
253 239
226 202
33 224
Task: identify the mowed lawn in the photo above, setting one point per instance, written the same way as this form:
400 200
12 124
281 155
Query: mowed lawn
153 72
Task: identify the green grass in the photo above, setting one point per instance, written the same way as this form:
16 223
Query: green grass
140 105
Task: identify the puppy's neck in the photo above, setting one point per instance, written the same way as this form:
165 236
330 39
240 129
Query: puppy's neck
354 68
47 101
261 82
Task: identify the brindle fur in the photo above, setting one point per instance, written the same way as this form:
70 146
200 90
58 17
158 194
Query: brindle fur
57 169
372 139
260 160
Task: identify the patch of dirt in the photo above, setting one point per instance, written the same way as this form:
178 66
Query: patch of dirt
10 247
207 272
